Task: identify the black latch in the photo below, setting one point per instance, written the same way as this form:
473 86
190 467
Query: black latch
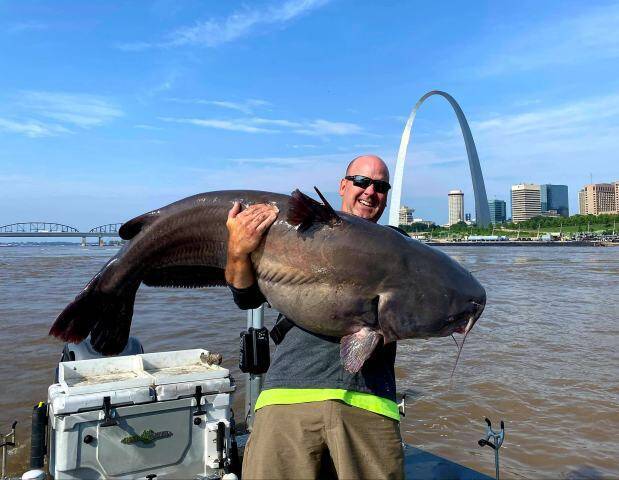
254 356
198 396
107 421
220 443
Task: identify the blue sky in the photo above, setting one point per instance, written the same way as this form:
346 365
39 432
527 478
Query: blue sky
109 109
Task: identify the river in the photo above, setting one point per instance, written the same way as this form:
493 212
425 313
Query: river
543 357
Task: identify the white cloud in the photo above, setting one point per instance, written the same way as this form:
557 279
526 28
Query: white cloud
81 110
31 128
214 32
325 127
276 174
303 146
247 107
232 125
318 127
142 126
31 112
562 120
275 122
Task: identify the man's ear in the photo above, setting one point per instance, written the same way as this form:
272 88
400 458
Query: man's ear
342 187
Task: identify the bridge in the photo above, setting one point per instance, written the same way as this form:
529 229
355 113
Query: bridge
58 230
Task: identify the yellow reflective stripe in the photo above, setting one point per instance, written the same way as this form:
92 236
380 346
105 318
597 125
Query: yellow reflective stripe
366 401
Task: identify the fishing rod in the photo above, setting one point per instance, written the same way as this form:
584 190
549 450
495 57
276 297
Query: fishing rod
497 440
8 442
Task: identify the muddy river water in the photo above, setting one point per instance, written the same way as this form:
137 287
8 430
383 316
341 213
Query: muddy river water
544 357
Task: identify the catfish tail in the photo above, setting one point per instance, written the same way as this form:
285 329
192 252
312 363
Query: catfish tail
105 317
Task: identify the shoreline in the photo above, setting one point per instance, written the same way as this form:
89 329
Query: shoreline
509 243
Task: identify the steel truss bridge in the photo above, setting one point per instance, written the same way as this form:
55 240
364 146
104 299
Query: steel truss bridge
58 230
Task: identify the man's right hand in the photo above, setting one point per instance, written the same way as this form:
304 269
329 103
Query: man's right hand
245 231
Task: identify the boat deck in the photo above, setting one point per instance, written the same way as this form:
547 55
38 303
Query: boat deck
422 465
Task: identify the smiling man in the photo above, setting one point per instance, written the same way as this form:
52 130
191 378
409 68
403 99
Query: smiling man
313 418
364 188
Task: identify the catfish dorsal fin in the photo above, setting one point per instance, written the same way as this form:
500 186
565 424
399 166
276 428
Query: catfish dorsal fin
324 200
131 228
305 211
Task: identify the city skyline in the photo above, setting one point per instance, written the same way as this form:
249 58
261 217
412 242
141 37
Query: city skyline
111 110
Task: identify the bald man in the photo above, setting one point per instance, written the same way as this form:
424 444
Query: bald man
313 418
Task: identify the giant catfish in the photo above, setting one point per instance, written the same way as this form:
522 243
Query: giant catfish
329 272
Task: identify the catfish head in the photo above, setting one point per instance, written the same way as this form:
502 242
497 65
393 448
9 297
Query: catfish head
424 293
428 294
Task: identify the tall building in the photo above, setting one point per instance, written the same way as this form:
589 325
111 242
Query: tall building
525 202
597 198
456 207
498 211
554 197
406 215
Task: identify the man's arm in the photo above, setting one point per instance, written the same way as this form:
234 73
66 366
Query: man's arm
245 231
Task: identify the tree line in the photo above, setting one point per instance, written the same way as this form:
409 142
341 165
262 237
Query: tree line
606 222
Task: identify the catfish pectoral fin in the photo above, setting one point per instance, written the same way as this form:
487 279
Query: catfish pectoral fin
106 317
355 349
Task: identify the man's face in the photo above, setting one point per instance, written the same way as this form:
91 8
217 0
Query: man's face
365 203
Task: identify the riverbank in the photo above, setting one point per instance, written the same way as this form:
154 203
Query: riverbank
435 243
513 243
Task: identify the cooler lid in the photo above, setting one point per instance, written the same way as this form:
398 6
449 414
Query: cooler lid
136 378
196 365
102 374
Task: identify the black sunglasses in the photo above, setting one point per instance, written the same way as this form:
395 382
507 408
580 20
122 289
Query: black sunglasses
364 182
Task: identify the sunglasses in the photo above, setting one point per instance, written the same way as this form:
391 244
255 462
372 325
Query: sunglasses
364 182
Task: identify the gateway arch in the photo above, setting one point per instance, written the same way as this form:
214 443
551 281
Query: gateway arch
482 211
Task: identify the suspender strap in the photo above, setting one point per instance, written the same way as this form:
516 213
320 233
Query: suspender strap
279 331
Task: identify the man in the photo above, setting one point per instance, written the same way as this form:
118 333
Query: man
312 413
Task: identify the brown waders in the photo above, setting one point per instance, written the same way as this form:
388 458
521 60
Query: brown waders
306 440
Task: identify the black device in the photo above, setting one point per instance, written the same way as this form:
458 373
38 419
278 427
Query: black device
38 448
254 353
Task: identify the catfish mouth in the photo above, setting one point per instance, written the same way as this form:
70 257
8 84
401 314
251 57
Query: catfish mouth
464 321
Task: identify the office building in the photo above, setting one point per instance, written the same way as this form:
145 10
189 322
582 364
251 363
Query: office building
498 211
554 197
526 203
456 207
406 215
597 198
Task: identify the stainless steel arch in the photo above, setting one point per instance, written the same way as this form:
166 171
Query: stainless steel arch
482 211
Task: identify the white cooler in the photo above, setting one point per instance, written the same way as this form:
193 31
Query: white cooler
137 416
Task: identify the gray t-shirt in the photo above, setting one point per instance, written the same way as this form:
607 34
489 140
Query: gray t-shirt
307 360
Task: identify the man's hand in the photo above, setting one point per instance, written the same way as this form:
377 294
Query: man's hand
245 228
245 231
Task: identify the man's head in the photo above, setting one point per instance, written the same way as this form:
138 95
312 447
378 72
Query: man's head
366 202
